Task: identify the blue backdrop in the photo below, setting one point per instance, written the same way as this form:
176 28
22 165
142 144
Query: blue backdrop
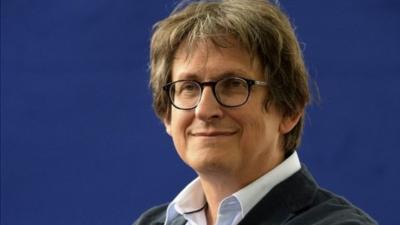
80 143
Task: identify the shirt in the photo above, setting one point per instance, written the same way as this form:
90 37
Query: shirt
190 202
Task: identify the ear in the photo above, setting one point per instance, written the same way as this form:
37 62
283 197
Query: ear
167 125
289 122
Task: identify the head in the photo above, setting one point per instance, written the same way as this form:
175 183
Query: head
260 28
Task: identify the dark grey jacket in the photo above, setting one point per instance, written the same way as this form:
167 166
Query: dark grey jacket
297 200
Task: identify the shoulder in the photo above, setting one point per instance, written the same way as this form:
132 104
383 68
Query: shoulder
331 209
155 215
307 203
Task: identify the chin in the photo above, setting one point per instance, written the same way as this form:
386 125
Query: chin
208 163
210 168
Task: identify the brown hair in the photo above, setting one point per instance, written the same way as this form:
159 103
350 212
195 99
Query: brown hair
260 27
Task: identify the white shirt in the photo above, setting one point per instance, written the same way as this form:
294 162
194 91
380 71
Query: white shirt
190 202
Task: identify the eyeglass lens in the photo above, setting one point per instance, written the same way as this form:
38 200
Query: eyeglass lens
229 92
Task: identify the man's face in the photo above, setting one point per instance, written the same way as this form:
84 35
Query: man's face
245 141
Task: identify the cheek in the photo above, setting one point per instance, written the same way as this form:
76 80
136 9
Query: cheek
259 130
180 121
253 130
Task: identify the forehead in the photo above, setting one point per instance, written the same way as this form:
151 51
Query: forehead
206 59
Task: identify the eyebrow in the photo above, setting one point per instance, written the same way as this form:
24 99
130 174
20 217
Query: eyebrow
197 77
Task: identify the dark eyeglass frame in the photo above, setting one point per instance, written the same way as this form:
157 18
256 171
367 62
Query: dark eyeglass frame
213 84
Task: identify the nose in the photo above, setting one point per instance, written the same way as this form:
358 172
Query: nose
208 108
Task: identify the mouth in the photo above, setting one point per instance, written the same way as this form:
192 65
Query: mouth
213 133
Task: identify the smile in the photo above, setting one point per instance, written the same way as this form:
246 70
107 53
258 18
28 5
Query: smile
213 133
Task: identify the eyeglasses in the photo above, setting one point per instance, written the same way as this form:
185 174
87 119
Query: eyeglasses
229 91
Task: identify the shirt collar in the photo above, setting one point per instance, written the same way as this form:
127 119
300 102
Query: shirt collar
255 191
191 199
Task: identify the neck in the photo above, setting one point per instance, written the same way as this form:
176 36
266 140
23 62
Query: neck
219 185
216 188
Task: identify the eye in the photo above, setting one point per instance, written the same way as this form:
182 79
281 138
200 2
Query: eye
188 86
233 83
185 88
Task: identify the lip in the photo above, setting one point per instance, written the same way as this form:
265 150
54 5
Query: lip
212 133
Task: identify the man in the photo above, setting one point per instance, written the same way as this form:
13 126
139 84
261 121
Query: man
230 85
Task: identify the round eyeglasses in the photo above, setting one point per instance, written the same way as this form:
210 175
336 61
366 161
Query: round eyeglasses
228 91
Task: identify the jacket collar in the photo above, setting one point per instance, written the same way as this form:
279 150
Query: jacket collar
285 200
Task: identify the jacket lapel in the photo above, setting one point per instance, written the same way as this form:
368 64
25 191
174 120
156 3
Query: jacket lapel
179 220
284 201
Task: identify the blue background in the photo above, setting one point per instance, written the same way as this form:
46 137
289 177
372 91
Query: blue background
81 145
